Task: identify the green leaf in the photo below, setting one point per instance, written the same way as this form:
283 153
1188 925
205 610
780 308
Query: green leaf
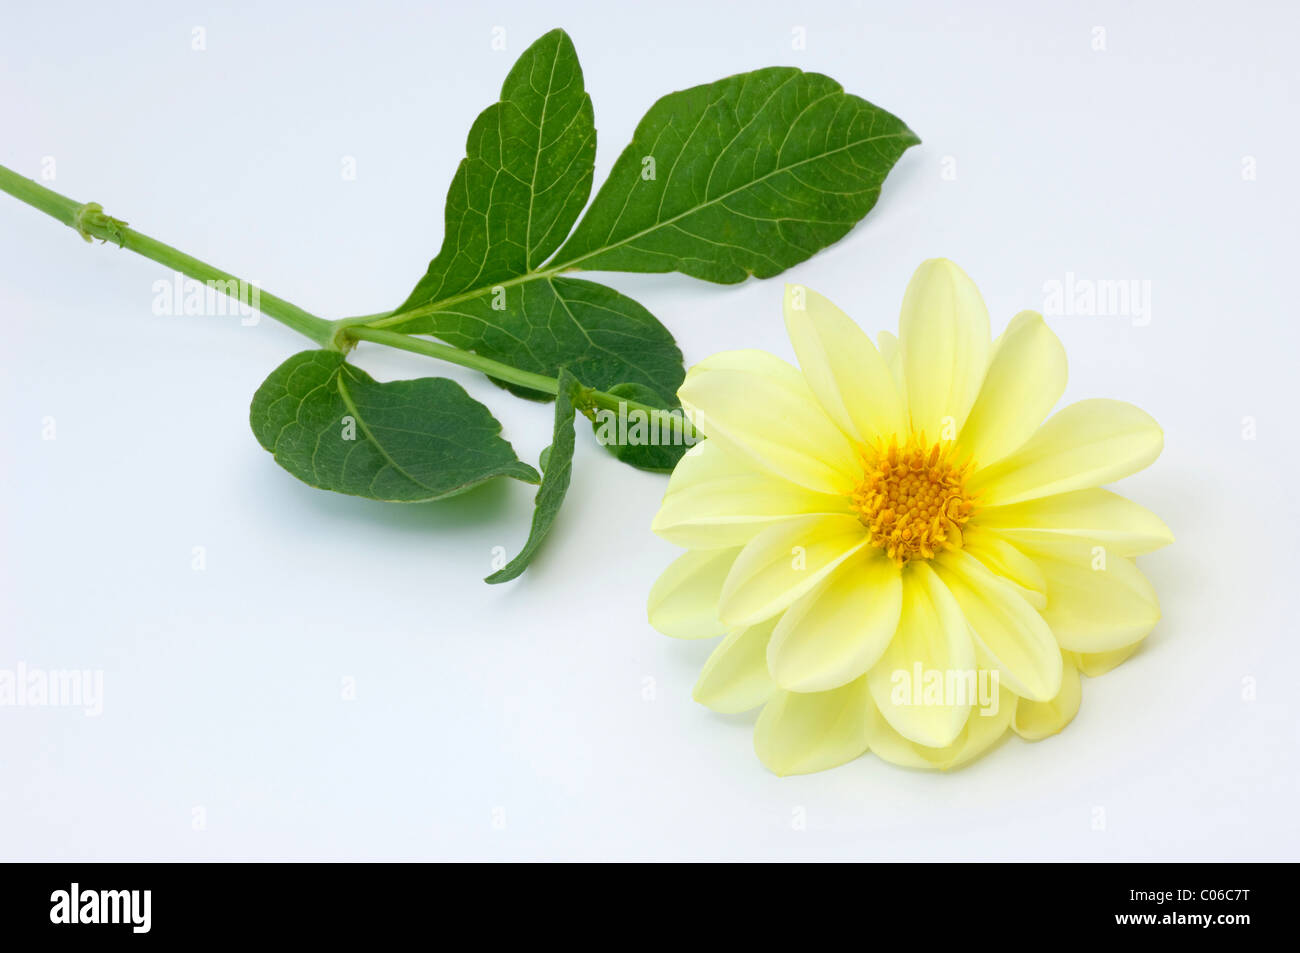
335 427
745 176
525 177
627 439
557 464
602 336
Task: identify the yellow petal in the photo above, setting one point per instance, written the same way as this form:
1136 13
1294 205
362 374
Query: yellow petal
758 406
836 632
1004 560
716 499
933 641
799 733
986 726
1026 377
887 344
1005 626
1094 664
783 562
1121 525
683 601
842 367
735 679
943 339
1097 601
984 729
1085 445
1036 720
888 745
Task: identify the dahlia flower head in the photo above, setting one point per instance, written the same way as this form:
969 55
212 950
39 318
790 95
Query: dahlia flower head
898 553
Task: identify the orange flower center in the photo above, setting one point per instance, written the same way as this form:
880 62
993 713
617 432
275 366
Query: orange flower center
912 500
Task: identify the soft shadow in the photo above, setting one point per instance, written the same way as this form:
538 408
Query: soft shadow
473 508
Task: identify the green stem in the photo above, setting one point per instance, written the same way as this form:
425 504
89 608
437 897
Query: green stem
513 375
454 355
89 220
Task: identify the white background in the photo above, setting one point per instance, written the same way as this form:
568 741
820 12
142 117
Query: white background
549 703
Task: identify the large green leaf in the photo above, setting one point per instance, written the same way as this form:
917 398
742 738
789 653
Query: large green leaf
335 427
557 464
525 177
745 176
604 337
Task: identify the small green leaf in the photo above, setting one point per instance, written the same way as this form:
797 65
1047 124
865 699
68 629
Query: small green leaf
602 336
335 427
745 176
525 177
557 464
632 440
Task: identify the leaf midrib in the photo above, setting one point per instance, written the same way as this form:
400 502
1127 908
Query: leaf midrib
374 441
537 163
352 407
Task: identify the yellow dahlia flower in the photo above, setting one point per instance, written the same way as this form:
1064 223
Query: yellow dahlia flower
902 556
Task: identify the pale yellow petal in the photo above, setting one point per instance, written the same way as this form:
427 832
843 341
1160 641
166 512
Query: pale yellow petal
758 406
1085 445
933 643
1095 664
1097 600
716 499
799 733
984 729
684 600
1003 559
1004 625
943 339
785 561
986 726
836 632
735 678
887 344
1035 720
1025 379
888 745
1120 524
842 367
